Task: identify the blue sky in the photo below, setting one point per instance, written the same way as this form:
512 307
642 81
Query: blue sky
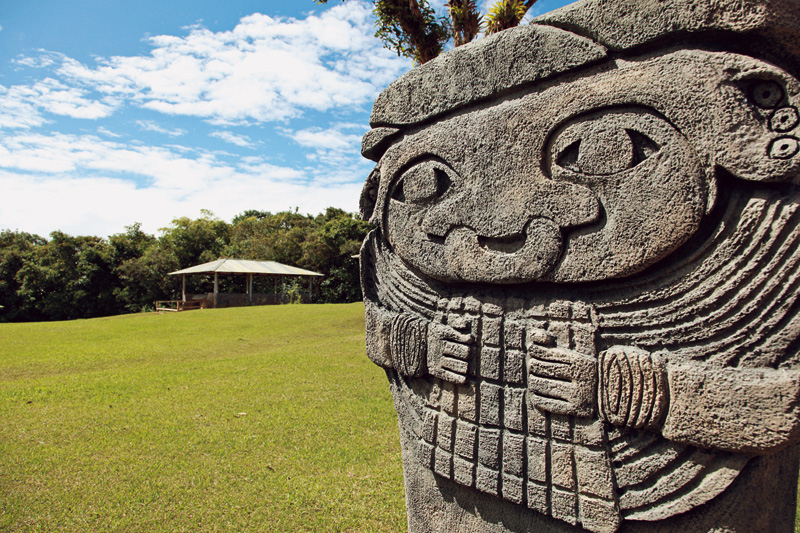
114 112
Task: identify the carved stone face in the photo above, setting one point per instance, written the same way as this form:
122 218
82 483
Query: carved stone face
580 181
485 206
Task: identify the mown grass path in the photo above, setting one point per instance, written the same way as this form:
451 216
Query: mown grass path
249 419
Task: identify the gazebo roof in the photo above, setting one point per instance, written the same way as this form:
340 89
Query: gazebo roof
243 266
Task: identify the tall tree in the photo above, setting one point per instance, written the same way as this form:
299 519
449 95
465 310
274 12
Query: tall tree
273 237
131 244
506 14
16 250
332 250
69 277
141 262
412 29
196 241
143 279
465 21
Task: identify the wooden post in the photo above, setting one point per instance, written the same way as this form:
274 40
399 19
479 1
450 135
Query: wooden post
216 288
183 286
250 288
310 288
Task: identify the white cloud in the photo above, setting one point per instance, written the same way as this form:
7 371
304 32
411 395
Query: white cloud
87 154
265 69
103 206
43 60
332 138
239 140
55 97
108 133
16 109
21 106
332 146
149 125
73 183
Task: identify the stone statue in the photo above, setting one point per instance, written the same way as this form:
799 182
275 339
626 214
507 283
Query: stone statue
583 284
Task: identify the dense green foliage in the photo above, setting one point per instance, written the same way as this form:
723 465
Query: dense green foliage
264 418
66 277
412 29
466 21
506 14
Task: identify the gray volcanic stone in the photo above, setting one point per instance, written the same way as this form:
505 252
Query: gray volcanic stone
459 79
583 284
770 25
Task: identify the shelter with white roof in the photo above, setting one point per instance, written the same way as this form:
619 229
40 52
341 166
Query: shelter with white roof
237 267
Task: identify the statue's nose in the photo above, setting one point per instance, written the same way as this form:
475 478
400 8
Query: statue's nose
567 204
498 213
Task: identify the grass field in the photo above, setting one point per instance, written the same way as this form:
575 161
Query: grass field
249 419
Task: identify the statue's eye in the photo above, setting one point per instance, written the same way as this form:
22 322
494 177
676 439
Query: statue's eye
602 144
423 182
607 152
767 94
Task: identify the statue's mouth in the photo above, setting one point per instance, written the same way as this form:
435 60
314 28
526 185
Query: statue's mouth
510 244
516 258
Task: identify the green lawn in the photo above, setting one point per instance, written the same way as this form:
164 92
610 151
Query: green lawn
249 419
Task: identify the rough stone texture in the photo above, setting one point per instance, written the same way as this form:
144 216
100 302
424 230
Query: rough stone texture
583 284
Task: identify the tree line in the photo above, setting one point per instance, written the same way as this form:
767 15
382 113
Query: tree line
67 277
